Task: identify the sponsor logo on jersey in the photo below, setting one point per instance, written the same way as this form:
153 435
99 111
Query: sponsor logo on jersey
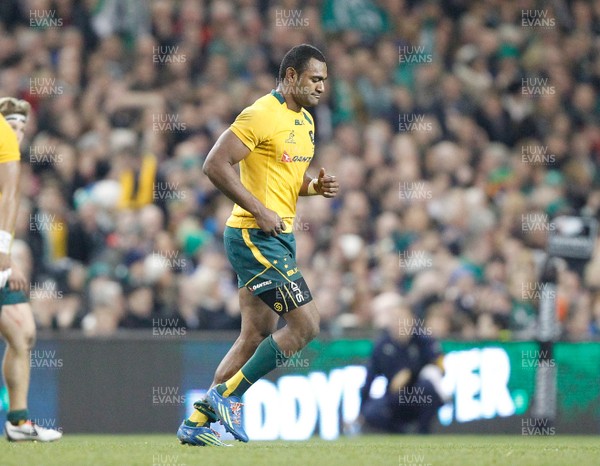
296 158
301 158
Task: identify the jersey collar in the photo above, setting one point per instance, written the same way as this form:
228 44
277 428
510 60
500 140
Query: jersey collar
278 96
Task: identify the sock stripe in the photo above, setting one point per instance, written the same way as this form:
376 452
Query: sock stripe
234 383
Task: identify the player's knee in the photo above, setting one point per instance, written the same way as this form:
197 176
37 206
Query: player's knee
29 339
248 341
313 330
26 341
18 333
28 334
21 341
252 341
309 331
260 334
307 328
253 334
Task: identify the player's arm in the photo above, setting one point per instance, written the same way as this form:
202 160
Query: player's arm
325 185
218 166
9 204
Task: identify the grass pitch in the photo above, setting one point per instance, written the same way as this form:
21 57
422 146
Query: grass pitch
370 450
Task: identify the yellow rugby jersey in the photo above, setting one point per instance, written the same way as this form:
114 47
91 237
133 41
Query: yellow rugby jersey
9 145
281 144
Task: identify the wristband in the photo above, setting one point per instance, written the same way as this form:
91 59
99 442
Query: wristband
16 117
311 191
5 240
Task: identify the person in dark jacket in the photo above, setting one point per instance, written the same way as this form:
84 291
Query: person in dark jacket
410 361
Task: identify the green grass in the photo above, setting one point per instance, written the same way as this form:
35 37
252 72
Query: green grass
163 450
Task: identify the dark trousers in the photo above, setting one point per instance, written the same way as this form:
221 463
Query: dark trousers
394 412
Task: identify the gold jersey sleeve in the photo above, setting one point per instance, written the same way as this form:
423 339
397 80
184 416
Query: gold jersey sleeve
251 127
281 144
9 145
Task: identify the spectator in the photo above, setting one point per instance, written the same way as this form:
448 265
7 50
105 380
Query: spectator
409 361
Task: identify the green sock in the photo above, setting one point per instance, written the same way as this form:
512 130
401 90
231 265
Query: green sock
17 417
266 358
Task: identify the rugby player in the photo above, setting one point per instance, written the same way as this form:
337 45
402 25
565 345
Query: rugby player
17 325
273 143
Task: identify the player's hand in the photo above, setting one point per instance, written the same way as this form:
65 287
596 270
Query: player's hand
327 185
17 281
270 222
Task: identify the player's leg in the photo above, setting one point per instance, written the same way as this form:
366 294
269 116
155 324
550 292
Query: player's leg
302 325
267 267
17 326
258 322
18 329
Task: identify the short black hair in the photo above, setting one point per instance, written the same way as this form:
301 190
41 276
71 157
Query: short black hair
298 58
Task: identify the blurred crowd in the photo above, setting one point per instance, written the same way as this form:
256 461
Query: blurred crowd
457 129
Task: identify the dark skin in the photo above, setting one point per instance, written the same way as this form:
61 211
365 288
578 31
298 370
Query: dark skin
258 320
298 90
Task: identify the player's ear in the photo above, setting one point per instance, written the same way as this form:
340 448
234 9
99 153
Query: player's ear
290 74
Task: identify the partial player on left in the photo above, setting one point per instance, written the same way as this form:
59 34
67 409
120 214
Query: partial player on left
17 325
